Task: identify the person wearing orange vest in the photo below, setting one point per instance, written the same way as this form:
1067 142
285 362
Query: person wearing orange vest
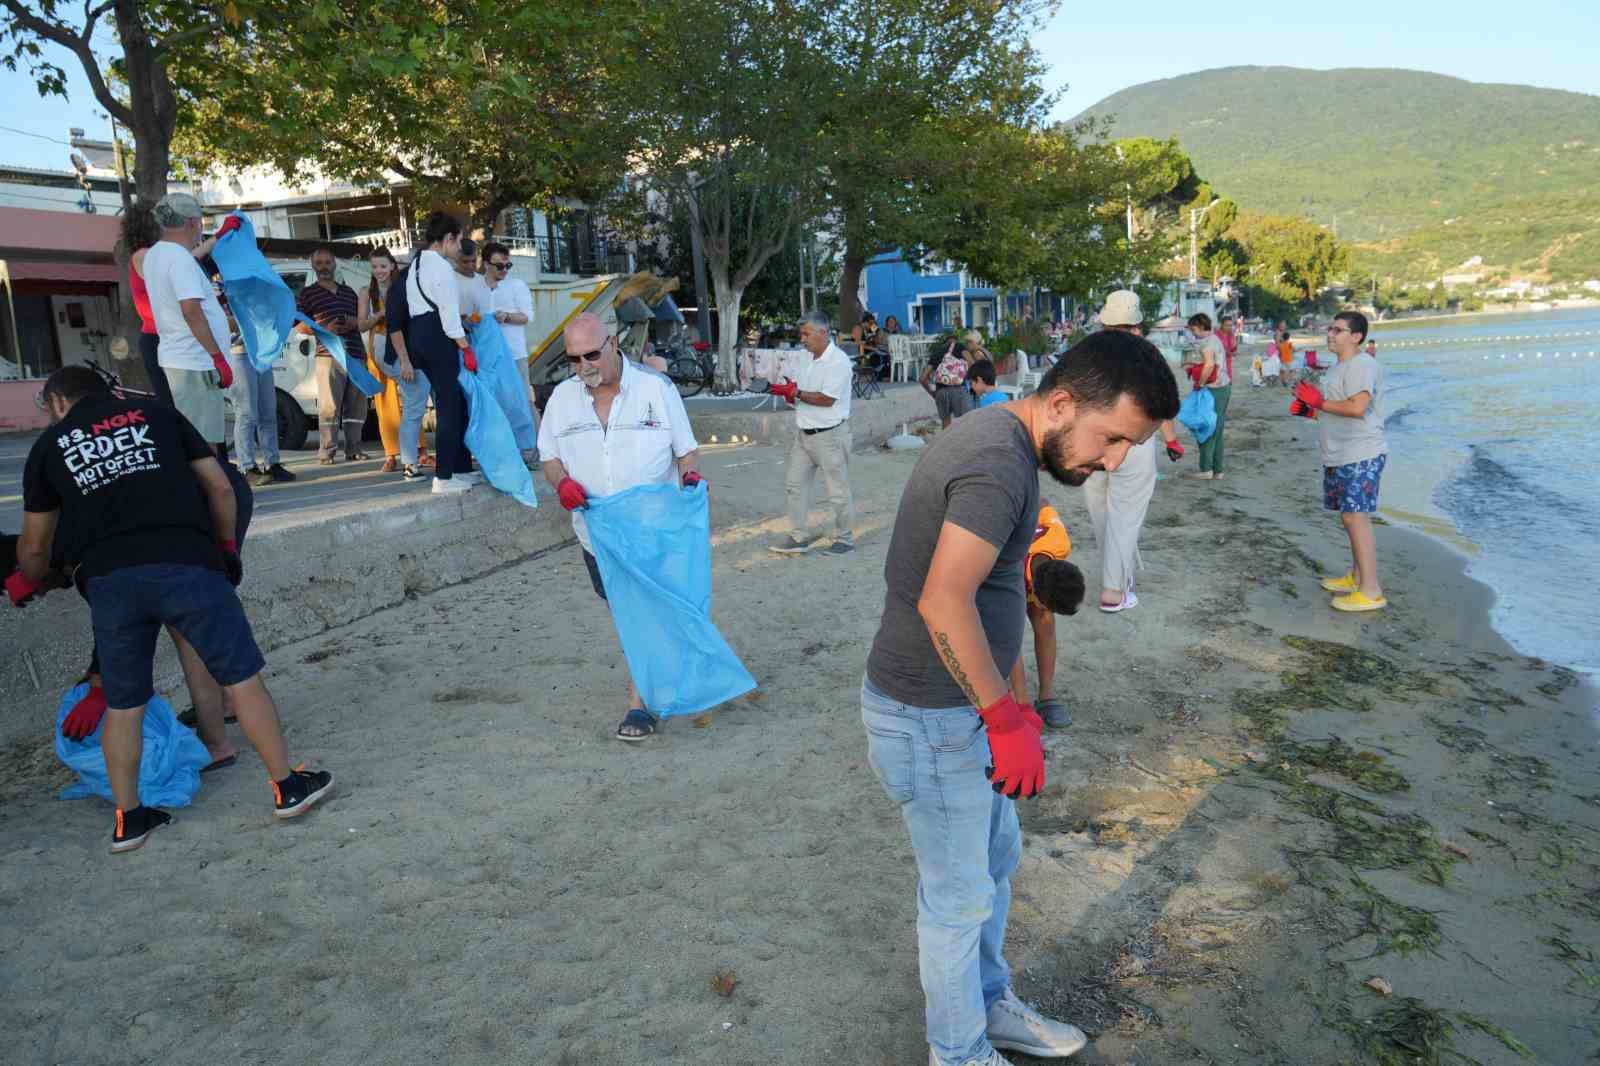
1054 586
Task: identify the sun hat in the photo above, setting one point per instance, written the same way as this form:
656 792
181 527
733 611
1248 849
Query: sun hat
1121 309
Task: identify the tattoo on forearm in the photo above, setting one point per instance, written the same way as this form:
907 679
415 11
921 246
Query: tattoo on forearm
954 665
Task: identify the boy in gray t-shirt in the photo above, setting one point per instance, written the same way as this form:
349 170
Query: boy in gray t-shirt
1353 454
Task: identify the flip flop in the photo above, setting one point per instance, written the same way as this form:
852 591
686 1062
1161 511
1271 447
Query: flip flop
1128 600
1054 713
638 718
220 764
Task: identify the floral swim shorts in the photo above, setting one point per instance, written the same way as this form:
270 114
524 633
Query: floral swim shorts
1352 487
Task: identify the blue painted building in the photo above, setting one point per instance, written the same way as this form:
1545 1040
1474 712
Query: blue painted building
927 301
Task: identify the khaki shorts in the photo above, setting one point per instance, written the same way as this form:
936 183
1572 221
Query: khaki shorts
197 398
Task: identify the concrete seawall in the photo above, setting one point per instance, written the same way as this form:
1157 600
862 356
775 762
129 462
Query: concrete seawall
307 574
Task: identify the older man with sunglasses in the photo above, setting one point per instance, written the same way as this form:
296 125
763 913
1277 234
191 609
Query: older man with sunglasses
607 428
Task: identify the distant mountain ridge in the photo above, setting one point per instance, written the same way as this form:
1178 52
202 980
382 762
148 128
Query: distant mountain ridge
1423 169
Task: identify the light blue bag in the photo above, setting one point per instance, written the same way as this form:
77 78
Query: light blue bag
169 769
1199 412
264 307
491 442
653 544
498 369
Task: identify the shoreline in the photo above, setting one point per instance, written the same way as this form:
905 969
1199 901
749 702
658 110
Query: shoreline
1252 813
1513 309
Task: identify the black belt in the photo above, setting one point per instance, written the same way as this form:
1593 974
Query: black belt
824 429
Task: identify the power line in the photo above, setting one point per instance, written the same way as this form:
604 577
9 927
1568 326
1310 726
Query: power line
42 137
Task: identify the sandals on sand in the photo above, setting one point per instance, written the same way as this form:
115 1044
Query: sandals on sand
1054 713
1128 600
1355 601
1340 584
219 764
639 719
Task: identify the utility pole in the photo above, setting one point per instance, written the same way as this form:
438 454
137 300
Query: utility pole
1195 215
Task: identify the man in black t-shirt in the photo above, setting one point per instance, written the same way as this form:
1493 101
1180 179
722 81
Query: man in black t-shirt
945 736
147 516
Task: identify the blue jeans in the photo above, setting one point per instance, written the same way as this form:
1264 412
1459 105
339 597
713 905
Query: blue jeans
967 844
255 414
413 405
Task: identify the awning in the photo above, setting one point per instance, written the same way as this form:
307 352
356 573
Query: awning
79 273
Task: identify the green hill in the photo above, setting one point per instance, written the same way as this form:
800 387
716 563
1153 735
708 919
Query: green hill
1422 170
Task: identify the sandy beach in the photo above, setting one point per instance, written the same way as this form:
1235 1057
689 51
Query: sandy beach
1260 805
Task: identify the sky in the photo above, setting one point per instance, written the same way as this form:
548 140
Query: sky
1095 49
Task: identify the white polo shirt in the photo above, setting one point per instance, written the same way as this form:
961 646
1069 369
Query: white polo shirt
171 275
830 374
648 431
512 295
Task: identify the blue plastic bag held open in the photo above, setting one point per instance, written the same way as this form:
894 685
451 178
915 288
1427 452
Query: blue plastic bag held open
1199 412
491 441
169 768
653 544
264 307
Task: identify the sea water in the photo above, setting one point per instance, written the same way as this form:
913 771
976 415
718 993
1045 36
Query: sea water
1494 447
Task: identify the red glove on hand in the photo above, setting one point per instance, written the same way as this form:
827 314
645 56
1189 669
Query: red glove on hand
1309 395
469 359
1298 407
224 371
1031 716
787 389
84 718
21 590
571 494
232 565
1174 449
693 478
1018 769
229 224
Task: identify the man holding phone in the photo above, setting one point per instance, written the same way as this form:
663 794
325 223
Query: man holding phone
332 304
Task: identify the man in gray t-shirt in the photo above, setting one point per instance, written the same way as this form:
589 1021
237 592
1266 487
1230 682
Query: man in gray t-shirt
1354 453
945 737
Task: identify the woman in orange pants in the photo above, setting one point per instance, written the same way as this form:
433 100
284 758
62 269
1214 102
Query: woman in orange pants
386 403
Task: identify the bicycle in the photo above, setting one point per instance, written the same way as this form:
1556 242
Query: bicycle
691 368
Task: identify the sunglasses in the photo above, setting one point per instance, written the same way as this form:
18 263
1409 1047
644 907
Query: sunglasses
588 357
1339 329
501 266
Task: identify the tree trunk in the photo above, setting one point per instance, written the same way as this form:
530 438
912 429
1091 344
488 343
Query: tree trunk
728 299
855 261
153 103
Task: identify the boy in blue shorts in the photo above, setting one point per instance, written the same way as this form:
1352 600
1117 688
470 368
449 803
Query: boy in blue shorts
1353 454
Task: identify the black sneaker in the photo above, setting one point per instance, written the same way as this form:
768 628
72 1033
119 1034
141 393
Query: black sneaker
839 547
133 826
258 478
281 472
412 473
298 792
793 545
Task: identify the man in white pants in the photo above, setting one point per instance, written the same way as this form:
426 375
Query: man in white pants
1118 500
821 400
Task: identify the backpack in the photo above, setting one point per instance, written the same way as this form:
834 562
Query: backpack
952 368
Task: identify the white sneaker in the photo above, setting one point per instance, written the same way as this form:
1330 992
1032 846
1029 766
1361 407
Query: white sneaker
1015 1026
450 487
470 478
994 1058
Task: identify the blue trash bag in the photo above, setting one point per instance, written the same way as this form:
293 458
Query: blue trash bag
497 367
264 307
1199 412
653 544
169 770
491 442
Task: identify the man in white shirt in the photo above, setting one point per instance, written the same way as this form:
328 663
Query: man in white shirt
512 304
609 427
821 401
189 318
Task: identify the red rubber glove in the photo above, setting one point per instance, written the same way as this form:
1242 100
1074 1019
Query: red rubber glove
22 590
1174 449
787 389
1298 408
1031 716
224 371
693 478
232 565
1309 395
229 224
571 494
84 718
469 359
1018 769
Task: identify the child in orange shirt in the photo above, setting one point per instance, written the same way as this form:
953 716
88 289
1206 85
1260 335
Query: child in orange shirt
1054 586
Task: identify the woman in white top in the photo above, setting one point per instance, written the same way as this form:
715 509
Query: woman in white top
438 341
1209 369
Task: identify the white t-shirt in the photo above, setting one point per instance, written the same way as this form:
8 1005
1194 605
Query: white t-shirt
512 295
830 374
647 432
474 295
172 276
431 275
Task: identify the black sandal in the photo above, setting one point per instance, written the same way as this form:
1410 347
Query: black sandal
637 718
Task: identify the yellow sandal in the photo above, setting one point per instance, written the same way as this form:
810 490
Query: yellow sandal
1341 584
1355 601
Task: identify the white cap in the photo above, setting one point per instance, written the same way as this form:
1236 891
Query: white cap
1121 309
